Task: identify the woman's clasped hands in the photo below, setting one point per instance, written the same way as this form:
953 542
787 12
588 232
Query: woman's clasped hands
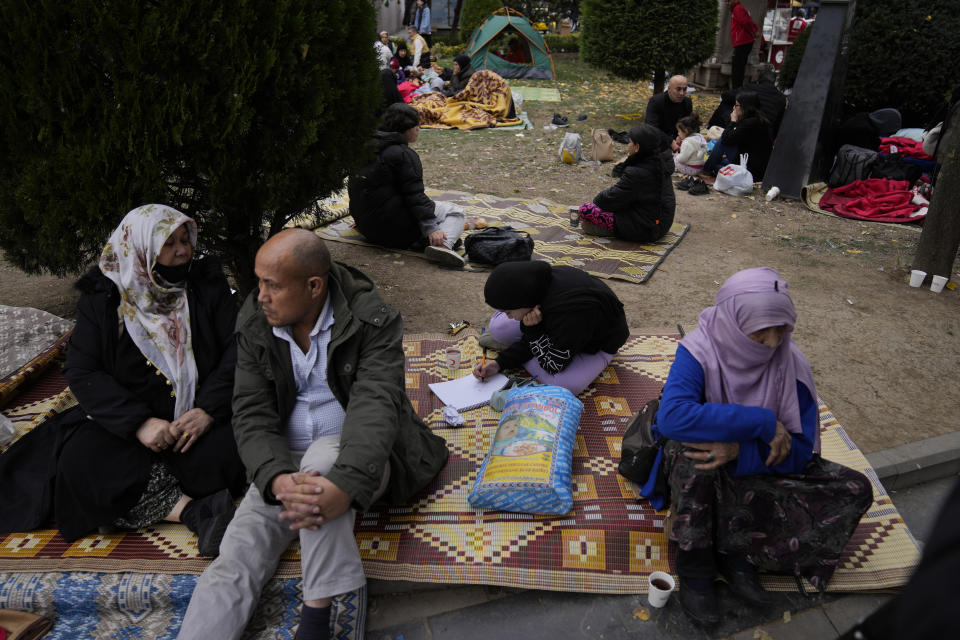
158 435
716 454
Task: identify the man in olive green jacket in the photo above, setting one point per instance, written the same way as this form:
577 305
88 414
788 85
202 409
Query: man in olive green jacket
324 427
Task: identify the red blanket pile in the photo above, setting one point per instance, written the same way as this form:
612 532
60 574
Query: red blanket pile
875 199
904 146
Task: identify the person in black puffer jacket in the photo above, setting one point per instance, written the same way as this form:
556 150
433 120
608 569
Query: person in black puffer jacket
640 206
748 133
387 199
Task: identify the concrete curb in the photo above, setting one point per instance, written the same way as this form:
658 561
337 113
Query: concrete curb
917 462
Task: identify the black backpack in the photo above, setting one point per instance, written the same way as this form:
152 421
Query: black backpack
495 245
852 163
894 167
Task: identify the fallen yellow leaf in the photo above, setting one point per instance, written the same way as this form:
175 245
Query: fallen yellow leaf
951 285
641 613
733 215
854 251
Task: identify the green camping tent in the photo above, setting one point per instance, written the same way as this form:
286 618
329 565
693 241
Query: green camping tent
531 47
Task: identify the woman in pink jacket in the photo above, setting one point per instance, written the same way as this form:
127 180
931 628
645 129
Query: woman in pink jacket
743 31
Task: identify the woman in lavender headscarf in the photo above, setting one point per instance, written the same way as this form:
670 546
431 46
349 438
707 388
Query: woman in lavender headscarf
748 487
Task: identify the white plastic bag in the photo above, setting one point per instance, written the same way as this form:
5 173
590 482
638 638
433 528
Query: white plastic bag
571 148
735 179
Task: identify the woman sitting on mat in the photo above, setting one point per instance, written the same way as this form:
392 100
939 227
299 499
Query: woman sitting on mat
748 133
151 363
748 487
640 206
387 198
561 324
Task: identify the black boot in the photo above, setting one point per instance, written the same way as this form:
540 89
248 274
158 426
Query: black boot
698 596
741 577
698 603
208 518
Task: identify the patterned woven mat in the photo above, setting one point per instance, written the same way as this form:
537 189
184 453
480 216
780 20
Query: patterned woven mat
152 605
609 543
555 241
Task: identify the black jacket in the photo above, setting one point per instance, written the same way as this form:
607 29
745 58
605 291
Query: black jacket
642 201
581 314
86 467
663 113
751 136
387 199
459 81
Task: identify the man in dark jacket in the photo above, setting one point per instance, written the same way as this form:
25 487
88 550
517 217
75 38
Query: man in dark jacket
387 198
324 427
664 109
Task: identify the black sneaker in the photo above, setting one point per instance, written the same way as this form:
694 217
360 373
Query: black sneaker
619 136
560 121
698 188
686 183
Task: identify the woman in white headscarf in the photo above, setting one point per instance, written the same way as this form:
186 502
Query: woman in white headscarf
151 363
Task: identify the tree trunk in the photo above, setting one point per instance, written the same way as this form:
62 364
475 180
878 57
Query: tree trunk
941 228
658 80
456 16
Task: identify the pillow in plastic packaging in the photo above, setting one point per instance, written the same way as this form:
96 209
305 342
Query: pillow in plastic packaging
528 467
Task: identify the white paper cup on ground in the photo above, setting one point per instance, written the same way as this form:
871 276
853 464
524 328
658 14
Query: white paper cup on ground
662 585
937 285
917 277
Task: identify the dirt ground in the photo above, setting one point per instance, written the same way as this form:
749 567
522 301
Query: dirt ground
885 356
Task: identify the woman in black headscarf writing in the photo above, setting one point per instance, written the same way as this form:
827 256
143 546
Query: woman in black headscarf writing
561 324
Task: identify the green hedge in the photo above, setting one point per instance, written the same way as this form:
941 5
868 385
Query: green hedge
447 50
473 14
791 62
640 40
903 55
557 42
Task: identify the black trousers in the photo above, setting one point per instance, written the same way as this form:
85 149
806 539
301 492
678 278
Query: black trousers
739 64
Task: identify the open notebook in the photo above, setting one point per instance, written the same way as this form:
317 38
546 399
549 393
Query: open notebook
468 392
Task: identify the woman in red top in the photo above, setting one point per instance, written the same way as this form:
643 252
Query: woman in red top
743 31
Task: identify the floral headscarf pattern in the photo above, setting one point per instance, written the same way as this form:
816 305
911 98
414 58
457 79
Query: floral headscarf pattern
155 313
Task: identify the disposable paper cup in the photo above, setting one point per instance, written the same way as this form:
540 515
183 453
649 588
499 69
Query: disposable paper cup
916 277
937 285
661 586
452 358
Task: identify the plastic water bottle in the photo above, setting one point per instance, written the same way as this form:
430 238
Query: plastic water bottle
773 193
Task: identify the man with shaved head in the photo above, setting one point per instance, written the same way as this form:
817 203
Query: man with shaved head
664 109
324 427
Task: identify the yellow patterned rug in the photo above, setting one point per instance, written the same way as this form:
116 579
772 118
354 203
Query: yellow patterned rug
554 239
609 543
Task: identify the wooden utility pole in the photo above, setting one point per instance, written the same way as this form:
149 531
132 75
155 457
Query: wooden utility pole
940 238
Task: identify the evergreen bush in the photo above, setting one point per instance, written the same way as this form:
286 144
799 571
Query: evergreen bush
638 40
903 55
239 117
557 42
473 14
791 61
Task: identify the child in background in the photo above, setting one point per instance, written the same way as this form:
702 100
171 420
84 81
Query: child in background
693 146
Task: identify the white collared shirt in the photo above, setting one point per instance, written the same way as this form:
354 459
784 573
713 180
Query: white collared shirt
317 412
